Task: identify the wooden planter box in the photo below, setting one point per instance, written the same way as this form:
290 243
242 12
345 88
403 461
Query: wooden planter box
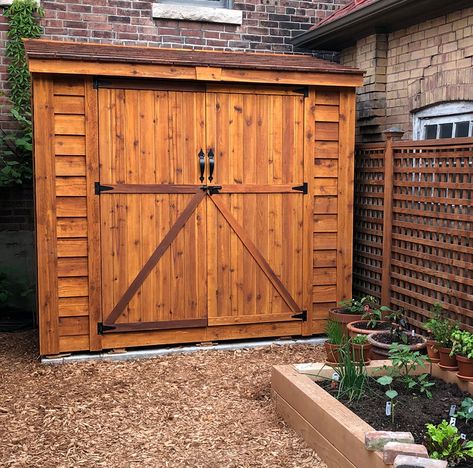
328 426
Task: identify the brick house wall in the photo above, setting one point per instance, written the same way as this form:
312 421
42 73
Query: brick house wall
409 69
268 26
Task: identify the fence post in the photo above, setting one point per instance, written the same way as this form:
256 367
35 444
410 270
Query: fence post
391 135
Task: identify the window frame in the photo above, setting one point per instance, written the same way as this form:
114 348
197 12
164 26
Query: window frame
444 113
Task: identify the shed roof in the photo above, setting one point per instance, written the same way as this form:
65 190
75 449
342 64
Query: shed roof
56 50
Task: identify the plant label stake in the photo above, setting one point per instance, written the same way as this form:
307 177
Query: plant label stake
453 410
388 408
463 436
336 376
453 422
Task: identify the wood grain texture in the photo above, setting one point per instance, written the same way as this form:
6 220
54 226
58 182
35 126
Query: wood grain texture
93 217
45 197
345 195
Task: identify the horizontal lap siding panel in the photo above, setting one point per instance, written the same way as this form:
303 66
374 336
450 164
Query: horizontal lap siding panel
326 220
71 200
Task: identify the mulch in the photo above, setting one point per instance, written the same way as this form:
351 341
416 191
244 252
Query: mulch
207 409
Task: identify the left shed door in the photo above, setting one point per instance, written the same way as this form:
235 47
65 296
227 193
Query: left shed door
153 221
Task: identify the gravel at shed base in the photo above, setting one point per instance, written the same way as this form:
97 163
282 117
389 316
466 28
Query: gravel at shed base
203 410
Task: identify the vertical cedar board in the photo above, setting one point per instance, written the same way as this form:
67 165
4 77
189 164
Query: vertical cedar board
45 203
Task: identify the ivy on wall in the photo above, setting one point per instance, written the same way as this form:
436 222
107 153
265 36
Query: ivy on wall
16 154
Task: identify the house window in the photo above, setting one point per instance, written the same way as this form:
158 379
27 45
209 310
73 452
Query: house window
447 120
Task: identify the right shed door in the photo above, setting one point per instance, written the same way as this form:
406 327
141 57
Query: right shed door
256 222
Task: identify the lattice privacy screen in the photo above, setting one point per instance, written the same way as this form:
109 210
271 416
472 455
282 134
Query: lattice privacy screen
432 227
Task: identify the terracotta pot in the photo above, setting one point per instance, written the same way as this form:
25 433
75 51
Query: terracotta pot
380 351
465 366
333 356
337 314
432 351
361 352
447 362
353 330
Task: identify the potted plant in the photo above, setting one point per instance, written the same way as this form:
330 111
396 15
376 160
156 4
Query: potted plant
398 333
431 327
335 340
360 348
462 348
371 320
442 334
349 310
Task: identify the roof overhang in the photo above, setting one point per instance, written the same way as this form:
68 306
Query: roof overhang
381 16
74 58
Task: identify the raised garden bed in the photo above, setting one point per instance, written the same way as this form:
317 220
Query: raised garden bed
333 429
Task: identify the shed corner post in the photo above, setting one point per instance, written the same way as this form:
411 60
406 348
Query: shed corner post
391 135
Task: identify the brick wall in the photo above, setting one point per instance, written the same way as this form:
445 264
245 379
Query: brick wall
16 209
268 25
424 64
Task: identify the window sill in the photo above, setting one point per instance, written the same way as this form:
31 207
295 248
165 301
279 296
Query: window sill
196 13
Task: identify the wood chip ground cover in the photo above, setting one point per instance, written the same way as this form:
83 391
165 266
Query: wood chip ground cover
207 409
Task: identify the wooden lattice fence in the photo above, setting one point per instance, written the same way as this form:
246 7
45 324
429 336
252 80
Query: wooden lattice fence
414 226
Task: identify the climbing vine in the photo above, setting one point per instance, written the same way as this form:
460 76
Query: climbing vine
16 154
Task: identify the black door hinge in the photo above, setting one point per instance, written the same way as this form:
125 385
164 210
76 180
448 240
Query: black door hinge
99 83
304 91
102 328
101 188
304 188
302 316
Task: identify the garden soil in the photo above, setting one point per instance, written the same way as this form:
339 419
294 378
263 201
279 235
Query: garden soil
205 410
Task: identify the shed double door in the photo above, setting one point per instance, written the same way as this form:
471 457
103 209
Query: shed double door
202 206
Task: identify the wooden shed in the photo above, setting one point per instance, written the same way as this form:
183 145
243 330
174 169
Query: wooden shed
188 196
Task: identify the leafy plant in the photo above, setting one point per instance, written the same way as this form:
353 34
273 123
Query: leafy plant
444 443
357 306
353 379
334 333
462 343
466 410
15 159
399 326
404 362
440 327
360 339
387 381
373 312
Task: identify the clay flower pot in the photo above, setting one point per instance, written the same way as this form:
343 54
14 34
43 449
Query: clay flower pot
380 350
332 352
361 352
337 314
465 368
354 328
447 362
432 351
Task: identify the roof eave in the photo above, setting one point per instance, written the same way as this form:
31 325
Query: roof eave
344 31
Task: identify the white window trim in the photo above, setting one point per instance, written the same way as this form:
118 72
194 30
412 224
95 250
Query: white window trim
450 112
197 13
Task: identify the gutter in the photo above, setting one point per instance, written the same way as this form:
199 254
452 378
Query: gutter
363 16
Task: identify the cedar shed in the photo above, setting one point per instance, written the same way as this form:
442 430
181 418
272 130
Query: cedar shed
188 196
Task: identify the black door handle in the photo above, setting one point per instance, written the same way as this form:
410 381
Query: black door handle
201 164
211 157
